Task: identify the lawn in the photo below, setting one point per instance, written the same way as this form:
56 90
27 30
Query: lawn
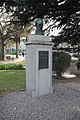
12 80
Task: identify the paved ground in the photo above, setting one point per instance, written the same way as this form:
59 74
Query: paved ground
75 84
19 59
63 104
71 78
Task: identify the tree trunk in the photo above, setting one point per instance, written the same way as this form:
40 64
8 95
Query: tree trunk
16 48
58 72
2 49
78 50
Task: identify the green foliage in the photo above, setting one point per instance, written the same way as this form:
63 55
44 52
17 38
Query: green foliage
61 61
11 66
12 52
66 13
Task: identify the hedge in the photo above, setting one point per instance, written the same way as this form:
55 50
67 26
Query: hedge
11 66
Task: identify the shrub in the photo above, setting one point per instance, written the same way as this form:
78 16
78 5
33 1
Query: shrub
12 52
10 66
61 61
2 66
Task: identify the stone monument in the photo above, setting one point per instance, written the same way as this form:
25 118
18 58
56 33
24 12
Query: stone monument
39 63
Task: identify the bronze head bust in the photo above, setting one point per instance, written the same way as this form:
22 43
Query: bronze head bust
39 26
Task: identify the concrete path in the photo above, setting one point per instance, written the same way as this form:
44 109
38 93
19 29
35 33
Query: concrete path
71 73
74 85
19 59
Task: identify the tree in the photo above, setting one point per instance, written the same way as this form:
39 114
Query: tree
63 12
15 31
71 33
27 10
9 29
3 30
3 37
14 35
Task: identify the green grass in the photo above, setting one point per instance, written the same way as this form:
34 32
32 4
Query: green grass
12 80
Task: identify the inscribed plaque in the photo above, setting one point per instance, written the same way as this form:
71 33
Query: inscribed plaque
43 59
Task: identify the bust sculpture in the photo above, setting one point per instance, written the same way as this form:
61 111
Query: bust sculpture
39 26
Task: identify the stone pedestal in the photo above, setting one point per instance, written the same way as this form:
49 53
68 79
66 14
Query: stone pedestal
39 65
